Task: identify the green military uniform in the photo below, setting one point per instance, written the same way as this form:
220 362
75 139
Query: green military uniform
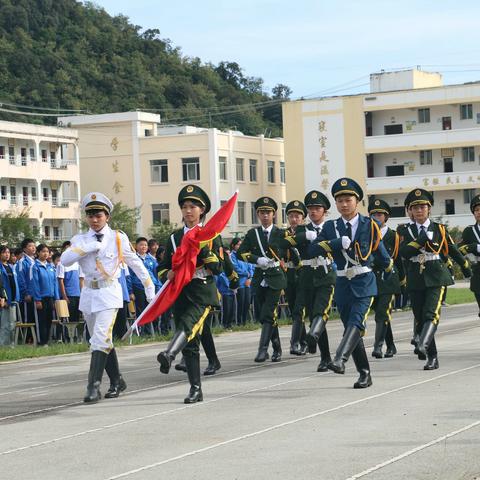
315 288
387 288
427 274
192 307
265 250
470 246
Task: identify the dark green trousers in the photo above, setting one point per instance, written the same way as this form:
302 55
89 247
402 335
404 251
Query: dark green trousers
313 302
267 301
382 306
426 305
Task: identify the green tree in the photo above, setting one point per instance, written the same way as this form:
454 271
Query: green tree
161 231
15 227
125 219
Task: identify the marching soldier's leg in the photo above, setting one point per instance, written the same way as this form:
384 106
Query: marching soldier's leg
354 313
324 348
268 301
391 348
192 362
477 298
431 315
298 325
381 305
101 324
277 347
180 366
210 351
117 383
360 358
417 299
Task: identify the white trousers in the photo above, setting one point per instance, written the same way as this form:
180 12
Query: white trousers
100 326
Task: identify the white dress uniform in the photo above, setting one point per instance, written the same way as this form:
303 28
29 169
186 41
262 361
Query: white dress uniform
102 296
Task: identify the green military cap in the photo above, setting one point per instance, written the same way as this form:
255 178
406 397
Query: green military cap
96 201
195 193
314 198
296 206
347 186
266 203
475 201
419 196
379 206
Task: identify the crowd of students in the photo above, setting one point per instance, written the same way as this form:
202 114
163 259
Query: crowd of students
32 278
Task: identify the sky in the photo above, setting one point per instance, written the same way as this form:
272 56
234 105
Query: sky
318 47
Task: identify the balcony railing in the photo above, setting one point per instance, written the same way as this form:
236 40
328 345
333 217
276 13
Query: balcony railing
24 161
11 159
13 200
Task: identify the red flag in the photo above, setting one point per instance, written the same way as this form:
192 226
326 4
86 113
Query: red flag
184 262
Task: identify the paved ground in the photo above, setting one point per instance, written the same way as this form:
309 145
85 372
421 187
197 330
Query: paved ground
264 421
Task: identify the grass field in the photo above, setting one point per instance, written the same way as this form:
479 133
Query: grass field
455 296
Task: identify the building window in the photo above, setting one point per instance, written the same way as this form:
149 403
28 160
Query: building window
468 195
284 213
423 115
191 169
34 193
13 195
25 195
222 167
46 231
159 171
54 198
11 155
45 194
271 171
425 157
239 168
2 152
282 172
44 156
3 192
160 213
253 170
468 154
466 111
253 213
32 155
241 213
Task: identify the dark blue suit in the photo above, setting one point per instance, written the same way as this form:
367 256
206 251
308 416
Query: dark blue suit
353 296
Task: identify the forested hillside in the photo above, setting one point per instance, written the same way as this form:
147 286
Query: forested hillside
64 54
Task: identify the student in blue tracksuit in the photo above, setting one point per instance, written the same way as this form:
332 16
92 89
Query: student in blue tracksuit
23 267
44 291
141 246
9 297
120 326
245 273
69 283
354 242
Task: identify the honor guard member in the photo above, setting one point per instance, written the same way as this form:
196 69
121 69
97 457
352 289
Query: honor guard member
387 288
262 246
470 246
100 253
316 282
354 241
296 213
195 302
427 274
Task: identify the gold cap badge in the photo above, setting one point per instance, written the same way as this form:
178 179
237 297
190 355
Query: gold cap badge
377 202
314 195
418 193
265 200
94 197
296 204
343 183
189 189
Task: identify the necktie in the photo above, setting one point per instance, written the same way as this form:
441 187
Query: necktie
265 235
349 230
99 236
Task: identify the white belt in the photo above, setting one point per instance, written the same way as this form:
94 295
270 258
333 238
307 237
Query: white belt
102 283
317 262
473 258
425 257
202 273
353 271
271 264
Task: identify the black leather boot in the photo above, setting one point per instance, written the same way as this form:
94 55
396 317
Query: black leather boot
360 358
117 383
97 366
265 336
192 362
317 326
303 341
181 365
212 367
432 363
391 348
345 349
297 327
277 346
176 345
380 332
426 337
324 348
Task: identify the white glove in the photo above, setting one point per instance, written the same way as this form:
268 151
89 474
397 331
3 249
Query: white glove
311 235
92 247
430 235
263 262
150 293
478 248
346 242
